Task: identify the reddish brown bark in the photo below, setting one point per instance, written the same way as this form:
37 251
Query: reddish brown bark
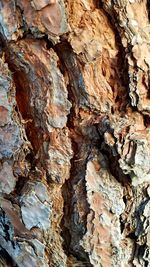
74 133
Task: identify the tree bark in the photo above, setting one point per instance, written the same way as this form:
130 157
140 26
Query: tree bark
74 133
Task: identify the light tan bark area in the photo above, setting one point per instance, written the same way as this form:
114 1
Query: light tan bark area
74 133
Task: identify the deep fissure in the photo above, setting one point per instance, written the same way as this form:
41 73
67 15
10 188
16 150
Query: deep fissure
67 188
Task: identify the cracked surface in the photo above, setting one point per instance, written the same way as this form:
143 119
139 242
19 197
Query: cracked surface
74 133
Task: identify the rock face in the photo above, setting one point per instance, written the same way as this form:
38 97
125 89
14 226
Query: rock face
74 133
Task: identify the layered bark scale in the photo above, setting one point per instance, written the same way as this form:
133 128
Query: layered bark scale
74 133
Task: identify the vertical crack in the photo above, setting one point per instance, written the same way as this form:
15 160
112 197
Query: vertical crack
73 226
5 259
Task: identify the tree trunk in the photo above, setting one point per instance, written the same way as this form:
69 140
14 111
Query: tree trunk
74 133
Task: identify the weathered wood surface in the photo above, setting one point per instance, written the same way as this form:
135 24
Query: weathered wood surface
74 133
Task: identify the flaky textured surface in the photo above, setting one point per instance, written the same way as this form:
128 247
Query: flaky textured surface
74 133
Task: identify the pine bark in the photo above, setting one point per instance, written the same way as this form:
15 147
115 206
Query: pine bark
74 133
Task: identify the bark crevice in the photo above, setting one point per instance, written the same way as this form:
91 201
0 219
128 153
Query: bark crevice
74 133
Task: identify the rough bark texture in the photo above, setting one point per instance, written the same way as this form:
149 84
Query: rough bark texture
74 133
